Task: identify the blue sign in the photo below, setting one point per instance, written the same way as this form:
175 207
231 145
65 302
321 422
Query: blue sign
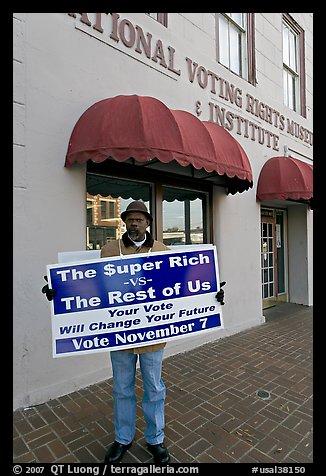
134 300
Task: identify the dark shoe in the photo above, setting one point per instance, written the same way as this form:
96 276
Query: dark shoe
115 452
160 453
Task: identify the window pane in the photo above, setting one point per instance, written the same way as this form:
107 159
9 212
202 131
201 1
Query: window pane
111 209
160 17
271 274
223 41
286 55
108 197
103 209
285 88
280 254
237 17
290 87
196 221
183 216
270 259
89 207
293 51
265 279
290 91
235 53
271 290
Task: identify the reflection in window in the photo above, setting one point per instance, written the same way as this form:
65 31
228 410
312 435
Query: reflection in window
183 221
180 210
106 198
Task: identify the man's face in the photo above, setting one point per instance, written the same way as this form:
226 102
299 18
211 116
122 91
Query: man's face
136 224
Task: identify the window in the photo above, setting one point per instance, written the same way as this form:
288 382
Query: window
293 65
235 43
89 211
160 17
107 208
103 210
183 222
180 209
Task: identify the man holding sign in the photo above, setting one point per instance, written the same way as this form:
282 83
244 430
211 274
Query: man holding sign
138 240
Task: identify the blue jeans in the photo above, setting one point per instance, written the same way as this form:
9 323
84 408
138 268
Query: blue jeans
124 398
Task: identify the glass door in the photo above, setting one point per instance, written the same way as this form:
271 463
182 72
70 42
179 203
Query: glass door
268 275
273 256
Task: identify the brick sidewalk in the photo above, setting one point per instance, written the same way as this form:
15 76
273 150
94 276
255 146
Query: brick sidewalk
213 412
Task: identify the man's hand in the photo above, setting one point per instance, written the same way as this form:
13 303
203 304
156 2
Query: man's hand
220 295
47 291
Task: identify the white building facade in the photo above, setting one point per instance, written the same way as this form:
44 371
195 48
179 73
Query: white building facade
250 74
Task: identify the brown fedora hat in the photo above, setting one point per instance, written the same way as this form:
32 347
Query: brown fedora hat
136 206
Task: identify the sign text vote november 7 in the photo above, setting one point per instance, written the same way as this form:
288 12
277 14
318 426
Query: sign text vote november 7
135 300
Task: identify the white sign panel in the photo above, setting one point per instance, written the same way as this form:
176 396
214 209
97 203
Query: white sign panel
135 300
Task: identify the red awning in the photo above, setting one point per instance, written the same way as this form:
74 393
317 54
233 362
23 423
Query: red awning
143 128
230 158
285 178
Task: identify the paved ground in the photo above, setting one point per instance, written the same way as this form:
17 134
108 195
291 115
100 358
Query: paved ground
213 411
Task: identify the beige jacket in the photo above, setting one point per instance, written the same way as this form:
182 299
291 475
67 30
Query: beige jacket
126 247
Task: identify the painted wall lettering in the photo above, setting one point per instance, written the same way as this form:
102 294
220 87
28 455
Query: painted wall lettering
248 129
118 29
229 93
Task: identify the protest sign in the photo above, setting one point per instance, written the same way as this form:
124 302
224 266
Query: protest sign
133 300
